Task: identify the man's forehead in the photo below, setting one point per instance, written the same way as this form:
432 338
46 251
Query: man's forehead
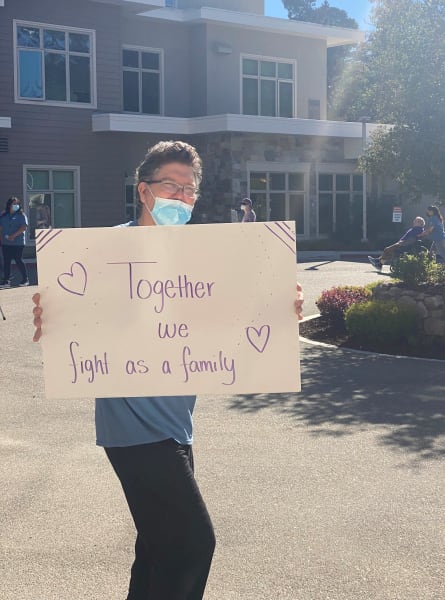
176 170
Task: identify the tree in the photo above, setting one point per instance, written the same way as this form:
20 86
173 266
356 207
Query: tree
305 10
325 14
398 78
300 10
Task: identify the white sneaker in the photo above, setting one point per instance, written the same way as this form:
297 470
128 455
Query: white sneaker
375 263
24 283
5 284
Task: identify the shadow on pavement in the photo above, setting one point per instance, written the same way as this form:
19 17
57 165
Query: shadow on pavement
343 393
318 265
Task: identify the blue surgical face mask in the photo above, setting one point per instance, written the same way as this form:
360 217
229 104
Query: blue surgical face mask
15 207
168 211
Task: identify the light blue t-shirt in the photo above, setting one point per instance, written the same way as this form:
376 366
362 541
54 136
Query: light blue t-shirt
438 231
133 421
146 420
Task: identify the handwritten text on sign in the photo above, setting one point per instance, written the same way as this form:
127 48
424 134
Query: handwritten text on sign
158 311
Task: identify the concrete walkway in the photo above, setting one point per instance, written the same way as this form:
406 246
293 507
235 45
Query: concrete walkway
332 494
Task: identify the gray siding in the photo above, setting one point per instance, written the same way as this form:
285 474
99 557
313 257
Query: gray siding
198 70
48 135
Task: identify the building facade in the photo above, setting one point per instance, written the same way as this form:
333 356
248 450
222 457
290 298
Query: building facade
86 86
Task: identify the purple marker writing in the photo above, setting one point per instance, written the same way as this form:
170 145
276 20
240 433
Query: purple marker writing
221 364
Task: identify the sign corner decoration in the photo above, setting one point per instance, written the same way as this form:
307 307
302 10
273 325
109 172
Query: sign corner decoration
139 311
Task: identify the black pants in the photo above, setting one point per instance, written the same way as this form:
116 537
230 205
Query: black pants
175 539
9 253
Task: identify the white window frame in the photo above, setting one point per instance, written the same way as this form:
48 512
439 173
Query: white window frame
332 169
159 51
41 101
300 168
258 57
77 203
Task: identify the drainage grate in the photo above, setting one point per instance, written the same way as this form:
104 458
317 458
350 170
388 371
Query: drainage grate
4 144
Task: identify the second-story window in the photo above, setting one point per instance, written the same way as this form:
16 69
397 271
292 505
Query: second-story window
142 69
54 64
268 87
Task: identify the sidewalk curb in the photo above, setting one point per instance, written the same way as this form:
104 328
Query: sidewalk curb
335 255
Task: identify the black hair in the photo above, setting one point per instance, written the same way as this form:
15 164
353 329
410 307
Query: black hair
9 203
163 153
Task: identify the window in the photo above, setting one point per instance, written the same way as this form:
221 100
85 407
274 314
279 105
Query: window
51 197
142 80
279 196
170 3
268 87
54 65
340 201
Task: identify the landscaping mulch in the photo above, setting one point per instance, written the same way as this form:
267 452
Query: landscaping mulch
321 329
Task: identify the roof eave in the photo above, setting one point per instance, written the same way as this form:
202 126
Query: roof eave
135 6
135 123
334 36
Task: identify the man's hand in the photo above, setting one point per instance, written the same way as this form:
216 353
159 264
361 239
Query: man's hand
37 312
298 302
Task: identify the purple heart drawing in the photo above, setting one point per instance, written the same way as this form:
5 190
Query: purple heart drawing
258 338
75 281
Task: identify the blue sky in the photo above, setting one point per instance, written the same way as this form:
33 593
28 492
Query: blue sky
358 9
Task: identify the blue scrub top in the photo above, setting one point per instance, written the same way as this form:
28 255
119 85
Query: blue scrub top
438 232
10 223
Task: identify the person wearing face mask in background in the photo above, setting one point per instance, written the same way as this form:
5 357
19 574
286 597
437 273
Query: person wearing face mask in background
249 214
148 440
13 224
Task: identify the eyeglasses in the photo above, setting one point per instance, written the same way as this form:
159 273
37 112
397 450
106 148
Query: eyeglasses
171 187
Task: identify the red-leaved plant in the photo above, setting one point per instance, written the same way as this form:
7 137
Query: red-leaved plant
333 303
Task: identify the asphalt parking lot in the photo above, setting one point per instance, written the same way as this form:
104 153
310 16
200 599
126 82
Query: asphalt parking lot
332 494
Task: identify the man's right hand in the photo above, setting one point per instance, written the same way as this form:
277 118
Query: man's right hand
37 312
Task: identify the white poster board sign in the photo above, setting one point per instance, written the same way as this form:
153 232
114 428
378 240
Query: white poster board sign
159 311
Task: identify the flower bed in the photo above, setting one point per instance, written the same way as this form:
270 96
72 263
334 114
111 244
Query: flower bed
322 330
427 301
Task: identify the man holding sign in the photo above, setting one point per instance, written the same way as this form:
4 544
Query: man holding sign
148 440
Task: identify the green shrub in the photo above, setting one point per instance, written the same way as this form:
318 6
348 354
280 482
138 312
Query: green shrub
382 322
415 269
333 303
369 287
438 276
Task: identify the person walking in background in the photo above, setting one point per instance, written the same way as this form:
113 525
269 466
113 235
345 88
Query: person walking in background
249 214
409 238
435 230
13 224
